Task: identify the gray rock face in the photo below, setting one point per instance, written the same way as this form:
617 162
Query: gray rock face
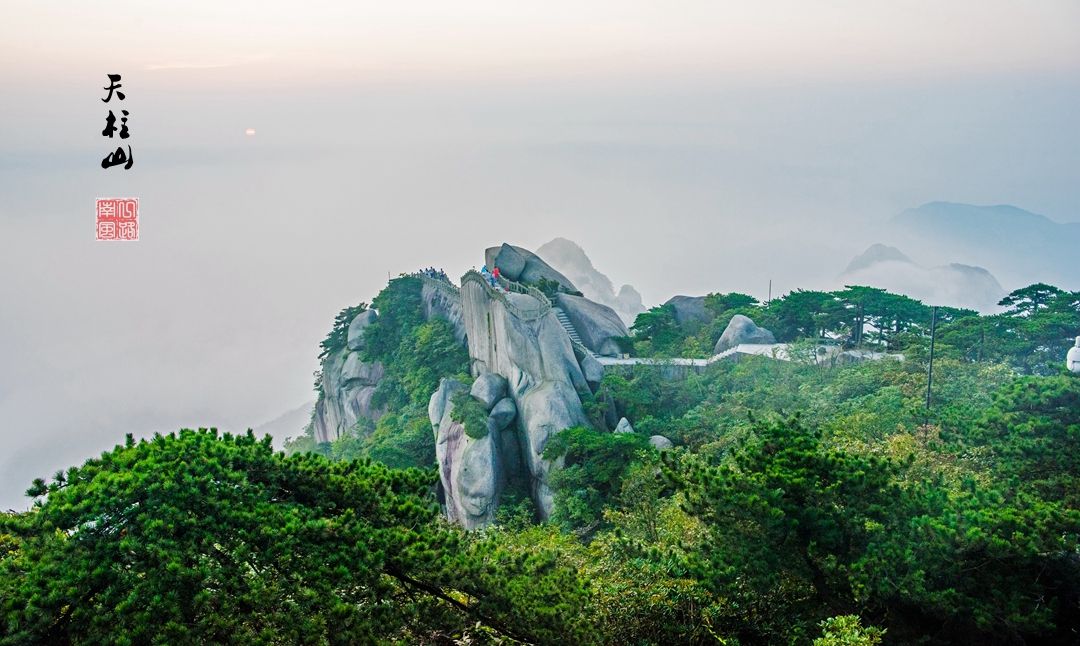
523 266
469 468
488 389
741 329
440 400
546 409
355 338
503 413
442 304
624 426
660 443
348 382
543 376
348 385
689 309
591 368
367 374
597 325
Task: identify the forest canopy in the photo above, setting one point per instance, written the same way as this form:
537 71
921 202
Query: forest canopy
802 503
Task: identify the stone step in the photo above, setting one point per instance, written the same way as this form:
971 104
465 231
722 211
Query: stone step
564 320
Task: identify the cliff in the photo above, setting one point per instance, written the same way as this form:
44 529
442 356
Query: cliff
519 337
528 380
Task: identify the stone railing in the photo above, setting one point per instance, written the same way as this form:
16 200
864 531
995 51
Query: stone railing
543 304
443 285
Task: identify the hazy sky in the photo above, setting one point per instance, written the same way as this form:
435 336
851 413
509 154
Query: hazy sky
687 146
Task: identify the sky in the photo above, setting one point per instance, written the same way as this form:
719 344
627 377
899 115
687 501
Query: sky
688 147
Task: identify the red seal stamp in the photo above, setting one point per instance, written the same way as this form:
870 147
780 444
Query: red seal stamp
117 218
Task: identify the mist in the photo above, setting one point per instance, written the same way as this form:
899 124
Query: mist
681 179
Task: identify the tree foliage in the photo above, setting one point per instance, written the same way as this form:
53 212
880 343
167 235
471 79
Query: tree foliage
197 537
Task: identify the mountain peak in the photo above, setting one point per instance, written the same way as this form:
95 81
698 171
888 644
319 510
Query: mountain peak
971 214
569 258
874 254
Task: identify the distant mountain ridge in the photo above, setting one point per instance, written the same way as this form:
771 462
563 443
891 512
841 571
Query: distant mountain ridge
875 254
289 424
1018 246
569 258
953 283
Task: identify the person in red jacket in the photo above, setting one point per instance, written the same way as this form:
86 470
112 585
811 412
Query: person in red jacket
495 273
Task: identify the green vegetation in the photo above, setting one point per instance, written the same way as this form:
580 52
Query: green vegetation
470 413
552 288
1032 335
594 464
339 333
803 504
200 538
415 354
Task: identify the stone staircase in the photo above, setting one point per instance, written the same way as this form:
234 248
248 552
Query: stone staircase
571 331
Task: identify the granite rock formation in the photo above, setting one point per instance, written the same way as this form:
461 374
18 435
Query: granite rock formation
470 473
529 378
524 266
347 387
741 329
597 325
688 309
534 354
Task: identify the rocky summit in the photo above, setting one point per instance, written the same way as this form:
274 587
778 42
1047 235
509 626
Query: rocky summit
533 357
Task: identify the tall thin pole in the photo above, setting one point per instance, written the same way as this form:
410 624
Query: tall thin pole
930 369
770 292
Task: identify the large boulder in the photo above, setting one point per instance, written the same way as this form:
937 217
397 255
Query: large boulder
502 414
624 426
440 400
741 329
660 443
522 265
597 325
591 368
355 337
469 467
488 389
688 309
545 410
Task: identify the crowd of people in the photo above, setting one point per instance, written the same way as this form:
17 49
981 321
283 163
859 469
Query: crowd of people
492 276
436 274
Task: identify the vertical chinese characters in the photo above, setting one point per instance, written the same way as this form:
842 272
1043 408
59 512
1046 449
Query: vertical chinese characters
119 156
